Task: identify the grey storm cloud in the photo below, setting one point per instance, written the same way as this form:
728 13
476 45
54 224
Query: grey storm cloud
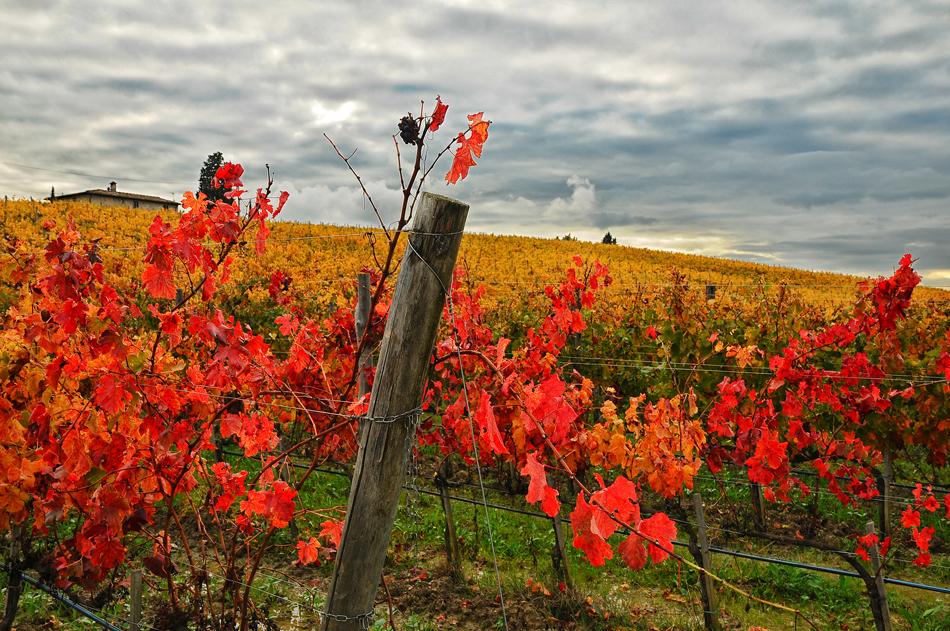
812 134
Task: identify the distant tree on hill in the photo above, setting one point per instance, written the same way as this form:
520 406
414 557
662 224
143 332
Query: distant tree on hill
609 239
205 183
568 237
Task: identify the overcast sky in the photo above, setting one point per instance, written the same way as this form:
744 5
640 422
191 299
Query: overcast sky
811 134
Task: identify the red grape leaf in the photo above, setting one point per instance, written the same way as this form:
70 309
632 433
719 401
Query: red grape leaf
662 529
485 418
538 489
619 500
586 536
308 551
438 115
910 518
633 552
159 282
332 529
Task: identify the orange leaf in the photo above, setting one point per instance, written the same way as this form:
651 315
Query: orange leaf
332 529
308 551
469 149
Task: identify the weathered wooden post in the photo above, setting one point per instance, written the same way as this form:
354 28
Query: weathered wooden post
135 600
14 579
710 292
707 589
559 554
424 277
884 488
879 607
758 506
452 557
361 317
361 314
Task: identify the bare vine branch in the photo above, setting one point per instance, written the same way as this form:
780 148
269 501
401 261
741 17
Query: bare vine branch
346 161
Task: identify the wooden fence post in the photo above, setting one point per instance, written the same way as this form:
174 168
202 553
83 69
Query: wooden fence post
424 277
758 506
559 554
14 579
710 292
135 600
452 558
706 587
884 488
879 606
361 317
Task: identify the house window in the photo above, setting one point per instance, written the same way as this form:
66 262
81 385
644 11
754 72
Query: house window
135 203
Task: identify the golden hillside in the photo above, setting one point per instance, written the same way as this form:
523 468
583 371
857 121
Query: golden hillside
319 257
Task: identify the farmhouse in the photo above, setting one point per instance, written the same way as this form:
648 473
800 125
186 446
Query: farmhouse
112 197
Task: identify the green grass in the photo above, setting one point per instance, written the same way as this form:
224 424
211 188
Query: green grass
664 596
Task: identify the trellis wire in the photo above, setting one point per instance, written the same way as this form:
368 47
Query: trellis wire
718 550
471 424
416 411
723 551
365 619
877 499
86 611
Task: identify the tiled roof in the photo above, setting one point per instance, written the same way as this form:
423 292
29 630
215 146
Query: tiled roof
107 193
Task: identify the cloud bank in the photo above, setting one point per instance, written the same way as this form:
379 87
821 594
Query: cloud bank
811 134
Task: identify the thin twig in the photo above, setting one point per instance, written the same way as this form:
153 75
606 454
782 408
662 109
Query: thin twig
346 161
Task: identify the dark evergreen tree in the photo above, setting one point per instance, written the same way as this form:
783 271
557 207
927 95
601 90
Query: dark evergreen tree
609 239
205 183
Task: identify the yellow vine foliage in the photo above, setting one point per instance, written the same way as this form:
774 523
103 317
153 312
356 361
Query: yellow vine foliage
322 259
663 444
